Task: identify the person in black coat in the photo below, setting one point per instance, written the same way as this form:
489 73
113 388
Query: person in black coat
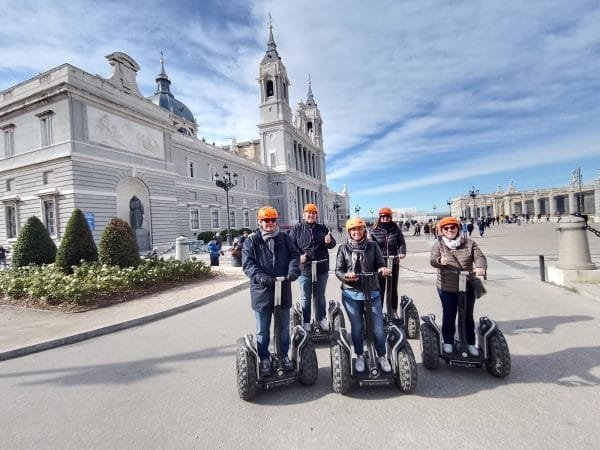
314 241
268 253
390 239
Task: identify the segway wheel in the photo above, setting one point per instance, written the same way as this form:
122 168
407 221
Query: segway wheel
412 322
406 379
246 374
340 369
310 367
430 347
499 362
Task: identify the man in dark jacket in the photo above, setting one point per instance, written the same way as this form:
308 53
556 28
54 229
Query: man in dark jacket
268 253
313 240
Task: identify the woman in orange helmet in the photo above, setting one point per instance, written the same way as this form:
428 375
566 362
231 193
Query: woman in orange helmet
360 255
390 239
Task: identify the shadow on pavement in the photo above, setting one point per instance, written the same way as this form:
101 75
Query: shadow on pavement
539 325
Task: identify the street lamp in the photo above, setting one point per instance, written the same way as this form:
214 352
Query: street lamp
434 208
224 182
449 203
336 207
357 210
372 216
473 193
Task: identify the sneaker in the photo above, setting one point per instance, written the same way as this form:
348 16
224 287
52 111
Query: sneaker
384 364
265 367
287 363
324 324
474 351
307 327
447 348
360 363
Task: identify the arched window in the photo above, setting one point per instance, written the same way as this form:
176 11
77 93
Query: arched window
270 89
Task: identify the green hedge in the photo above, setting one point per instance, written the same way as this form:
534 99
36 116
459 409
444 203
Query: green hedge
117 245
77 245
34 245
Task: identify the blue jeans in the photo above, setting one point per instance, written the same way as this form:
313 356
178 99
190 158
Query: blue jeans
305 284
263 331
354 309
450 309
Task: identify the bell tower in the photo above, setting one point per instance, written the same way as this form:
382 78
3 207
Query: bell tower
274 86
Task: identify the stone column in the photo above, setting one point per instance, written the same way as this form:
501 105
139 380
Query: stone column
596 201
551 204
572 202
573 246
536 205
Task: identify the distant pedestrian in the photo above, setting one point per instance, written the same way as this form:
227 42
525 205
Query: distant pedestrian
426 230
464 229
481 227
3 252
236 253
214 252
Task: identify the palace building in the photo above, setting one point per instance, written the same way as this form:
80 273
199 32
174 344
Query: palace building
77 140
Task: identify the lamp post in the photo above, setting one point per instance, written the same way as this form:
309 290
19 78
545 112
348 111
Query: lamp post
449 203
336 208
434 208
473 193
357 210
225 182
372 216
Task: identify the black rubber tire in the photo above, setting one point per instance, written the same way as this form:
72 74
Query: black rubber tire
499 362
310 366
413 324
430 347
340 369
406 380
246 374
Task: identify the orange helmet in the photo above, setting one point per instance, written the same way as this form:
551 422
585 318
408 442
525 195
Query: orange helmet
355 222
385 212
267 212
311 207
448 221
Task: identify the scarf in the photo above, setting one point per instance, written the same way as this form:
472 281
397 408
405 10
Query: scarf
388 226
358 254
269 238
452 244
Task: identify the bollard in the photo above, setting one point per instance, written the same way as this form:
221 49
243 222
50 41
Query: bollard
542 268
573 245
182 249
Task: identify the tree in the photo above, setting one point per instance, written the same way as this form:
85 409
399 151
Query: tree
34 245
118 246
77 244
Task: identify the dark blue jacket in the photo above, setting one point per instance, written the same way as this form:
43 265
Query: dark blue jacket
310 239
259 262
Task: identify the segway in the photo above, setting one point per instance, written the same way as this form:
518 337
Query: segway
303 357
409 316
493 348
317 333
398 350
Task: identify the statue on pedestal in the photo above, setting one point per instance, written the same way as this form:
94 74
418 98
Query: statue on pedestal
136 213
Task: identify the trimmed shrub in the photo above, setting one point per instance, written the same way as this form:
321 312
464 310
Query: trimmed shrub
34 245
77 245
205 236
118 246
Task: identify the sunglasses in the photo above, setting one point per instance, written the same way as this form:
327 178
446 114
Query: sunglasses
269 220
385 216
450 228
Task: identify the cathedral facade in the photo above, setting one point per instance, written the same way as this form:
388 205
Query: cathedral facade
76 140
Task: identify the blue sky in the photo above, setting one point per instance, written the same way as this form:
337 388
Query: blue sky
421 100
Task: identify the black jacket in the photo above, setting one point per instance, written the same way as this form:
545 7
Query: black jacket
259 262
343 265
391 243
310 239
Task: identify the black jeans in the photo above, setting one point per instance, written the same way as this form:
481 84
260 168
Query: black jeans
393 282
450 309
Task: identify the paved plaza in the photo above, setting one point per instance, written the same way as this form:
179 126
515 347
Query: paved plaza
171 383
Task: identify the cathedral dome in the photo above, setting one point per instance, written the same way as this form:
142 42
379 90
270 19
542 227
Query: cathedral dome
165 99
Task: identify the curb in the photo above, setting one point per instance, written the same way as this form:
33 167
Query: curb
67 340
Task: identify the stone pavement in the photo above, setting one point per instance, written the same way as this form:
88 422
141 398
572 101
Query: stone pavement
515 248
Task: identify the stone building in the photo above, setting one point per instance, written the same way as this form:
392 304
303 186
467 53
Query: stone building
547 202
76 140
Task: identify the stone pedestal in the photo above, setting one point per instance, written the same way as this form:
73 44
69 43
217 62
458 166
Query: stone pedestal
142 237
574 260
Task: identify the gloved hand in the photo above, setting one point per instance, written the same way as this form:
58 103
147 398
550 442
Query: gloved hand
266 281
292 276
